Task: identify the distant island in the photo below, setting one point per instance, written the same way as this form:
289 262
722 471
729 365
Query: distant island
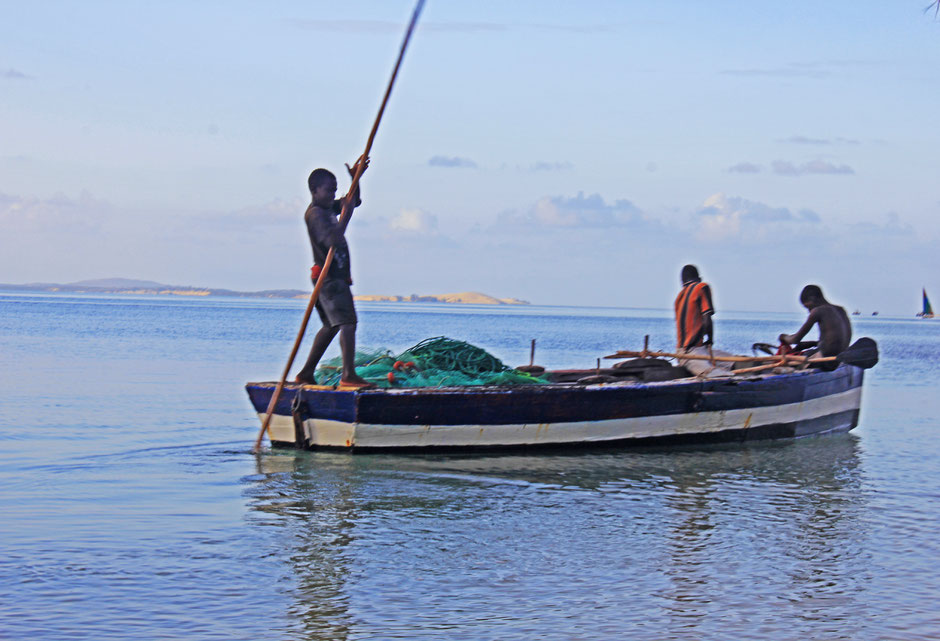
470 298
131 286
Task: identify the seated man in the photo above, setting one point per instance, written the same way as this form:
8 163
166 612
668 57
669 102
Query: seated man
835 330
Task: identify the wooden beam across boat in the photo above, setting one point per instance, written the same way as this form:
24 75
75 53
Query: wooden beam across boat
702 357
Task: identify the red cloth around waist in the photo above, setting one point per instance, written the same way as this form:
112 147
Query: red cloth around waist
315 274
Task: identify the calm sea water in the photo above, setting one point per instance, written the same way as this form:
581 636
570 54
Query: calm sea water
132 508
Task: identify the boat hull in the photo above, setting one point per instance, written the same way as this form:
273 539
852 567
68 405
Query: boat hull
564 416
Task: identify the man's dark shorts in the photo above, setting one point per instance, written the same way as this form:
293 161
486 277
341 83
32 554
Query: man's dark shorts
335 304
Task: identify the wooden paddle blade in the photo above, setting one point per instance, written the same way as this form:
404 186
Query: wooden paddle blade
767 348
862 353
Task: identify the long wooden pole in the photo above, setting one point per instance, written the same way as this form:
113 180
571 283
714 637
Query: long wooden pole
343 222
700 357
759 368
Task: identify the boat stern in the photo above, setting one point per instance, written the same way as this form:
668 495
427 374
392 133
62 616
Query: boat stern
291 423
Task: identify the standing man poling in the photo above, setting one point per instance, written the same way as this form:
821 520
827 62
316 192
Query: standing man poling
335 303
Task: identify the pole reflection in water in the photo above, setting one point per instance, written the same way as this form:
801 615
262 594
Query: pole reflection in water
313 511
765 539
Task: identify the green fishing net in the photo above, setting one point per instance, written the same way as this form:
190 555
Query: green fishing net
434 362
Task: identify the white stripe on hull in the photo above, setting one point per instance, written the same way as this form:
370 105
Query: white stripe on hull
281 428
328 433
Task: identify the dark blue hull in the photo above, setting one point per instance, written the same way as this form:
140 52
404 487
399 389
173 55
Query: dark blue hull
560 415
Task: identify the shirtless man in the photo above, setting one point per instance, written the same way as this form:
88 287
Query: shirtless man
835 330
335 304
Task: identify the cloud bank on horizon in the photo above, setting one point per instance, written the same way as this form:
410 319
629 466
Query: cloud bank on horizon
562 249
564 155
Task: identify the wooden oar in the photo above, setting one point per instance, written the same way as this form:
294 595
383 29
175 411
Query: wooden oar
862 353
343 222
759 368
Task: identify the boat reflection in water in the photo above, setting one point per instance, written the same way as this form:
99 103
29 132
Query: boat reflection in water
765 540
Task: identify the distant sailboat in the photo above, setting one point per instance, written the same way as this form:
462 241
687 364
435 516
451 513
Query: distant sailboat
928 310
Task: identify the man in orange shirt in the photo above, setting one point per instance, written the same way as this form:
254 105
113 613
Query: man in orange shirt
694 310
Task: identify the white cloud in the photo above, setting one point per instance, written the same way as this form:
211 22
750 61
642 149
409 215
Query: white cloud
806 140
28 213
745 168
13 74
787 168
550 166
451 162
274 213
414 221
892 230
578 212
721 217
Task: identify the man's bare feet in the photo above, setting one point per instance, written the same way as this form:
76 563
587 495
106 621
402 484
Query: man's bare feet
355 382
304 380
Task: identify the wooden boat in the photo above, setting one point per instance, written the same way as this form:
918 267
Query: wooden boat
576 410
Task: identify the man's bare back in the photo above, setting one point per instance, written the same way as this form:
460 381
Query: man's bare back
835 329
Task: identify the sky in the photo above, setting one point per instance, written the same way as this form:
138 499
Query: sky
564 153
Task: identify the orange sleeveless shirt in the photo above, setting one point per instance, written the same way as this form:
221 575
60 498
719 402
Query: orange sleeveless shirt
693 302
